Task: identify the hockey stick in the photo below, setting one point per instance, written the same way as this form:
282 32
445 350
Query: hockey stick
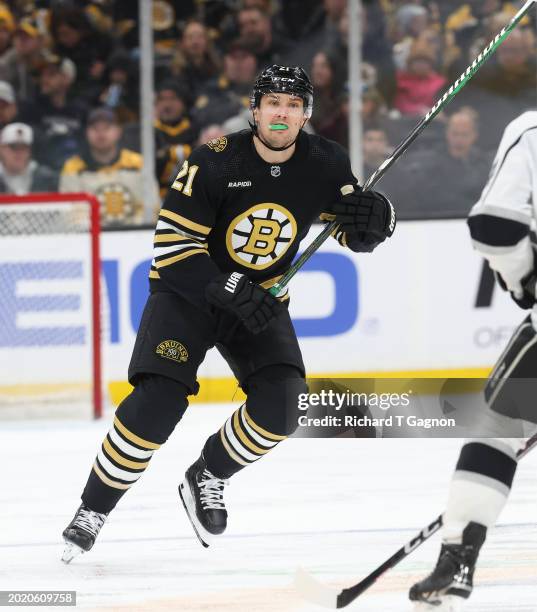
403 146
315 592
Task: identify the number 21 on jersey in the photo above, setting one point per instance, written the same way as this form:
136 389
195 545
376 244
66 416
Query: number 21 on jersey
185 188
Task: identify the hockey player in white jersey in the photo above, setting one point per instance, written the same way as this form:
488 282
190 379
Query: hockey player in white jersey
501 224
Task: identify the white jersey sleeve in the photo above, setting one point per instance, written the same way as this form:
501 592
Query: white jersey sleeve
501 220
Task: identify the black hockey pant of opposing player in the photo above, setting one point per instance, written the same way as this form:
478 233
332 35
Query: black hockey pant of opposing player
172 341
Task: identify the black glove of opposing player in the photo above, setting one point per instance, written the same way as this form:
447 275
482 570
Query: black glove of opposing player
252 304
366 213
528 298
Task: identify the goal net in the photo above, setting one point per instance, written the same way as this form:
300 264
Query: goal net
50 350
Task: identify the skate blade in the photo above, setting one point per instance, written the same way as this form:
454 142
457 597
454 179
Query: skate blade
71 551
189 505
448 603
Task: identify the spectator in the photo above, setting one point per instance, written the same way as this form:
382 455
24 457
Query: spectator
319 26
174 132
112 173
75 37
7 27
121 91
9 111
19 173
195 62
57 114
375 150
255 28
373 113
21 64
504 87
418 86
376 49
512 71
227 96
469 24
327 81
452 177
373 106
337 126
412 20
300 18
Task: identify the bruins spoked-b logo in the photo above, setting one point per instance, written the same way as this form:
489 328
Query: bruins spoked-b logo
261 235
172 349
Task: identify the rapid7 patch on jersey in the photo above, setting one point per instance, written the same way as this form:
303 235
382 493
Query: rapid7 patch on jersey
260 236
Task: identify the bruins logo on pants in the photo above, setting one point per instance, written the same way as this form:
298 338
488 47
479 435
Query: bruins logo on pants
172 349
261 235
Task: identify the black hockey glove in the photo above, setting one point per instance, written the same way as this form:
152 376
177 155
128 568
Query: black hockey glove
252 304
528 298
367 215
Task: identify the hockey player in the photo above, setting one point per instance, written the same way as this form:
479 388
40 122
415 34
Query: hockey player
500 228
229 227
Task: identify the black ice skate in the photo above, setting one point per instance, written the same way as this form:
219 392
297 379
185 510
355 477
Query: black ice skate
451 581
202 496
81 533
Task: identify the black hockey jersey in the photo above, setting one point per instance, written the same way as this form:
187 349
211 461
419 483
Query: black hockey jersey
228 209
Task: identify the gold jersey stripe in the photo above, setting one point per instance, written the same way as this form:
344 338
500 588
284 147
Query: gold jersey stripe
154 274
111 452
109 481
133 437
171 260
230 451
260 430
202 229
172 238
244 438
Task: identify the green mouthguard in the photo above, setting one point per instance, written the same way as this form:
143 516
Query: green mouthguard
277 126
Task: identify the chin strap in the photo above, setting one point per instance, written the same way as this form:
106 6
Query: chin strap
253 127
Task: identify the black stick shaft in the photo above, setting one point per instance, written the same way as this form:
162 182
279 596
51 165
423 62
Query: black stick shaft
350 594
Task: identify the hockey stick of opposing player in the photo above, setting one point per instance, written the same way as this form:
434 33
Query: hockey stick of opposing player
315 592
403 146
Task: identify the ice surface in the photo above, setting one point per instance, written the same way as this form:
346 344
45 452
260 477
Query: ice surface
337 507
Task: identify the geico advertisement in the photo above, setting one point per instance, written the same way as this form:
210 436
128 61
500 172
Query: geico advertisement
421 301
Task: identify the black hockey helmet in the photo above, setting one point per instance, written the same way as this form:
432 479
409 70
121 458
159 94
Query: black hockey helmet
291 80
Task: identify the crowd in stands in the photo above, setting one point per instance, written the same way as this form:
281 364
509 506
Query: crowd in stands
69 90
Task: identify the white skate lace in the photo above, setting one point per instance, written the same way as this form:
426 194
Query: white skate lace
90 521
211 491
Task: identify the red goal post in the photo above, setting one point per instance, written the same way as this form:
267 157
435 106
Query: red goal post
50 309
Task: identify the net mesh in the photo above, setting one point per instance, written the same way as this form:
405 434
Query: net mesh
46 310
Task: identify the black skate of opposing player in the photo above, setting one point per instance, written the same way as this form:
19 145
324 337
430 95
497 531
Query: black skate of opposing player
451 581
202 496
81 533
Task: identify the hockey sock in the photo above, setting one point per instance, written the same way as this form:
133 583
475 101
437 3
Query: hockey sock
480 486
239 442
142 423
268 417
